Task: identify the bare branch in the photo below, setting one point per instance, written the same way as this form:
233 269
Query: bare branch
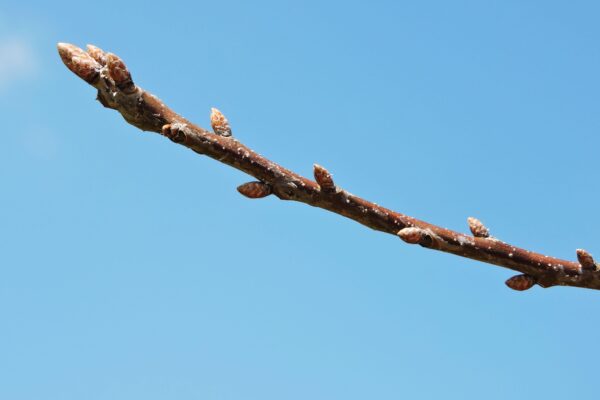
116 90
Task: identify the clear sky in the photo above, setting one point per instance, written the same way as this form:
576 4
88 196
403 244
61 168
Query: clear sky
130 268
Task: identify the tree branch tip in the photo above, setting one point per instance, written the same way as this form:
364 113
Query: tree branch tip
97 54
79 62
478 229
255 189
65 48
219 123
61 46
119 73
520 282
586 260
323 178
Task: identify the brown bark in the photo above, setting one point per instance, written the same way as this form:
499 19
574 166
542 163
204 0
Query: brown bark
116 90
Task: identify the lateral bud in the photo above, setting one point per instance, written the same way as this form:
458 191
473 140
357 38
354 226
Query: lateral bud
219 123
79 62
174 132
255 190
520 282
119 73
586 260
414 235
97 54
478 229
324 178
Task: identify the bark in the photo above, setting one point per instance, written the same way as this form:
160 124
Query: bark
116 89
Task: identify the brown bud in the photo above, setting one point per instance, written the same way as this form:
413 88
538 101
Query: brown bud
411 235
97 54
119 73
79 62
520 282
255 190
174 132
477 228
219 123
586 260
166 130
324 179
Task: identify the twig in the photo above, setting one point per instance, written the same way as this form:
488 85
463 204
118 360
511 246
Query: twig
116 90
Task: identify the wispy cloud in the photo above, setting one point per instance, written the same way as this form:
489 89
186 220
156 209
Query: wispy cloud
17 60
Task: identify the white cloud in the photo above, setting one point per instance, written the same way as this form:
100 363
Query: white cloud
17 60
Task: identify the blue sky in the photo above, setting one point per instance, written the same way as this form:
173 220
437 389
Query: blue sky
131 268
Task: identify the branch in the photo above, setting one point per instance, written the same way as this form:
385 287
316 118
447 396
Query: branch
110 76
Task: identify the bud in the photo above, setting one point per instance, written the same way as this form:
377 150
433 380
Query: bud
255 190
119 73
477 228
174 132
520 282
97 54
79 62
166 130
219 123
586 260
324 179
411 235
